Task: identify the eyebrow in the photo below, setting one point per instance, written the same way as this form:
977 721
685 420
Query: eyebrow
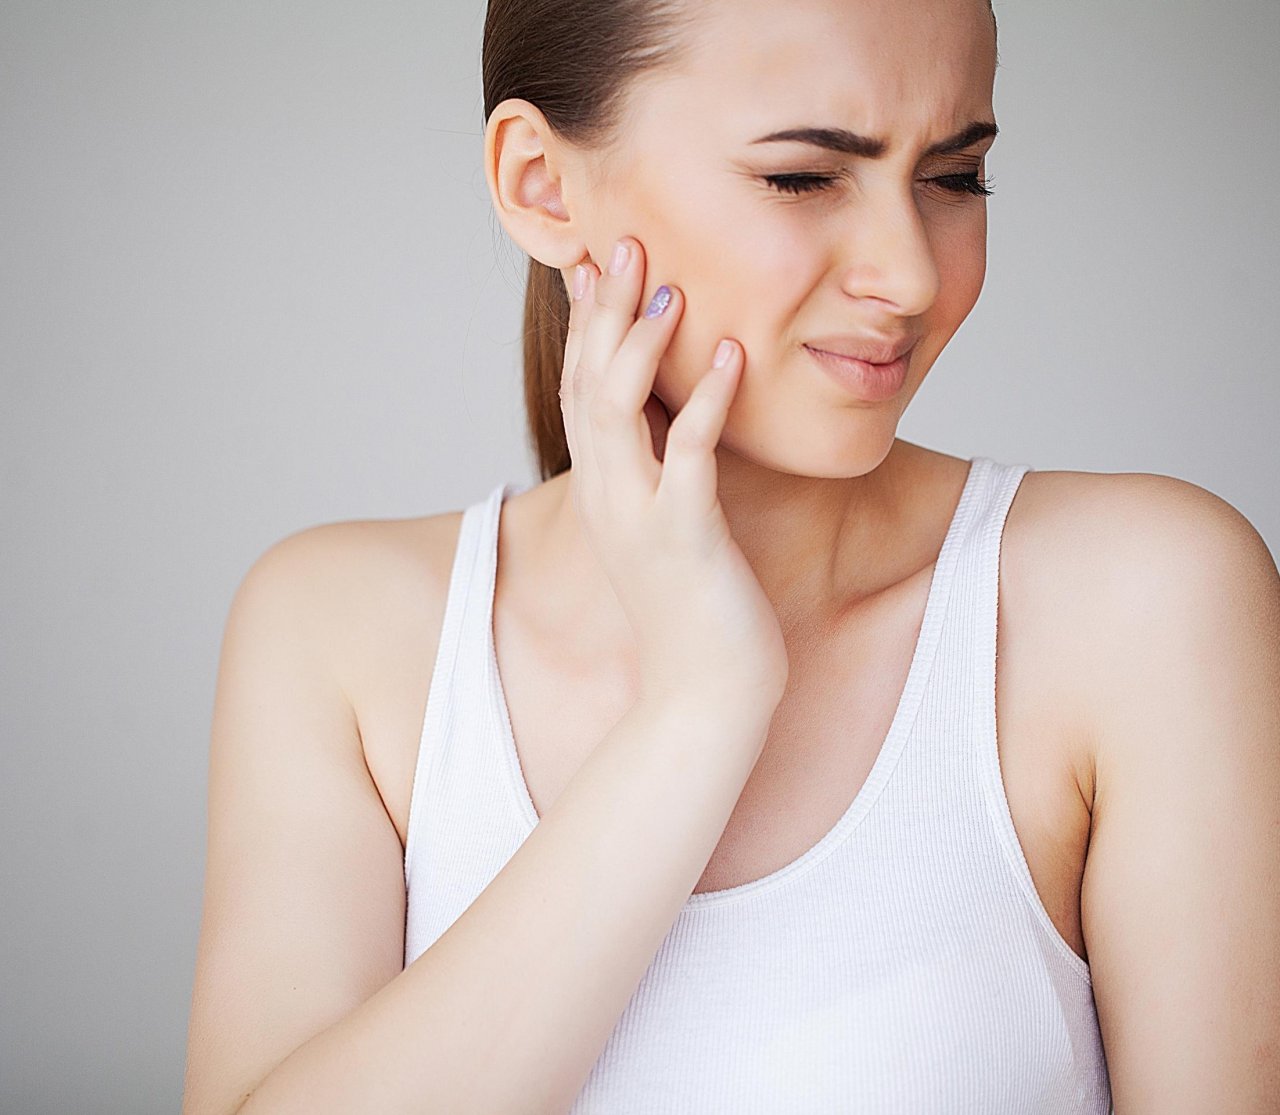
867 147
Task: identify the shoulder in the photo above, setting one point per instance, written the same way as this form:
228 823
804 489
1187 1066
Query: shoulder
359 588
1122 581
350 564
339 550
1166 604
1132 559
1140 550
1147 515
1176 597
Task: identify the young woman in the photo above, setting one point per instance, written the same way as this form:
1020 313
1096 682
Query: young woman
716 800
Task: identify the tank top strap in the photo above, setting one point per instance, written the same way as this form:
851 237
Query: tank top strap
957 746
981 562
462 646
983 587
961 674
985 581
488 514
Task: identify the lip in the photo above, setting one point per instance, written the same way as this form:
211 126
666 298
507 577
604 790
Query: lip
870 350
871 382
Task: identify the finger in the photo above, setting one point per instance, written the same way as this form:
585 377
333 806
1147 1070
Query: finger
613 312
621 435
689 471
579 315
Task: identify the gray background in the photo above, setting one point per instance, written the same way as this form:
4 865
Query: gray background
250 281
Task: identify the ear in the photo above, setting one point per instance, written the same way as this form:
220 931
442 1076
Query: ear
525 166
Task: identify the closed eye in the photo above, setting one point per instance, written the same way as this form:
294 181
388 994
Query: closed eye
811 183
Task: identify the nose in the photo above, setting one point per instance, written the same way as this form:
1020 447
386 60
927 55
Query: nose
889 255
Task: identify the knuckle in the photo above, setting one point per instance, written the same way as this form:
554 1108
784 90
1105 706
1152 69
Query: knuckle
602 308
605 409
686 436
610 293
581 381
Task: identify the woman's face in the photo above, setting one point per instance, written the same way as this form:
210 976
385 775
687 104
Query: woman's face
887 246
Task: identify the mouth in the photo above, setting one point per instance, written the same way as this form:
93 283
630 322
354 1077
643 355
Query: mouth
875 350
869 381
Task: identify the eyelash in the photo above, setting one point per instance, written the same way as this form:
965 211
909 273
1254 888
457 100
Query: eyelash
811 183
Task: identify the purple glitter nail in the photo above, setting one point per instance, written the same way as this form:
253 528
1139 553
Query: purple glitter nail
661 300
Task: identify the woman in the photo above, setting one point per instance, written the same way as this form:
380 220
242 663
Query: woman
703 808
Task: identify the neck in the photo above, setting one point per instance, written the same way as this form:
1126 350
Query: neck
816 545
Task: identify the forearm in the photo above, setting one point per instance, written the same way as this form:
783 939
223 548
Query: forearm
510 1008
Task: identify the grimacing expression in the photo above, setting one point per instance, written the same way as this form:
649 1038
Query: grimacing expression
774 243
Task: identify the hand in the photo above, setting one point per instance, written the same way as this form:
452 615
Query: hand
701 621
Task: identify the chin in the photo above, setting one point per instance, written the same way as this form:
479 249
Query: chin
835 451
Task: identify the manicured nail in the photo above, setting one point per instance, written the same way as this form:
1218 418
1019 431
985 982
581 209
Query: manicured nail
659 303
621 253
579 281
722 355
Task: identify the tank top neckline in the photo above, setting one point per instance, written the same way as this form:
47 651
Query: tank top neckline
909 700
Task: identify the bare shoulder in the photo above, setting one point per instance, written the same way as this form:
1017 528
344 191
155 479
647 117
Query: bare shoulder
304 885
1099 569
1136 511
1169 607
1132 554
395 546
1165 594
1138 551
375 587
1166 602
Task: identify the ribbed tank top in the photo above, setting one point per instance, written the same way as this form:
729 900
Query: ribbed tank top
904 963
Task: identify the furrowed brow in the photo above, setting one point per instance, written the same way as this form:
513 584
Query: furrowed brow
868 147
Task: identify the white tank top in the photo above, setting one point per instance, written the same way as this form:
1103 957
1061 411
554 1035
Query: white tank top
904 963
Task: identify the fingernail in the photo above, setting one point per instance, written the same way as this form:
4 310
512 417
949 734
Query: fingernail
722 355
659 303
579 281
618 263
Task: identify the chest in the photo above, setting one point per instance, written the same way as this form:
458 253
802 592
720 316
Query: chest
824 739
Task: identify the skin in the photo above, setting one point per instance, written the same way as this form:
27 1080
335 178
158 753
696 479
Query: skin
1138 690
1144 786
808 474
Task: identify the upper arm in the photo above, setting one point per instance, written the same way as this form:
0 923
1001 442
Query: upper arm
1180 899
303 915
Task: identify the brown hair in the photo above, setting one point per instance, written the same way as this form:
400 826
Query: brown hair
576 60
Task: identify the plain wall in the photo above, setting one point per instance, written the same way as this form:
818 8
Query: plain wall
250 281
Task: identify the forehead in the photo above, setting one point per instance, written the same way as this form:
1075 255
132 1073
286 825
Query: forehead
884 67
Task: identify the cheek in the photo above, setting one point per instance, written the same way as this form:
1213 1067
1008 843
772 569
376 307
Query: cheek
733 287
748 287
962 269
961 260
957 236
